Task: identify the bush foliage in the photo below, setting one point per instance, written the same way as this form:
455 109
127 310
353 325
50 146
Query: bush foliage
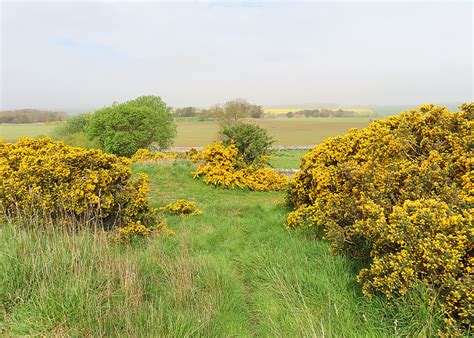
398 193
47 183
182 208
251 140
222 166
145 155
124 128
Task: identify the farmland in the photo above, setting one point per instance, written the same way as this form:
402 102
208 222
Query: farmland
11 132
200 133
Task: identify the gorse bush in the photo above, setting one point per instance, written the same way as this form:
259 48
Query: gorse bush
182 208
144 155
399 193
251 140
47 183
222 166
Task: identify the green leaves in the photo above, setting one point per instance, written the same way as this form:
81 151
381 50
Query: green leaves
124 128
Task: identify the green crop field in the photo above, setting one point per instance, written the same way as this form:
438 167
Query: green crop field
11 132
232 271
200 133
285 131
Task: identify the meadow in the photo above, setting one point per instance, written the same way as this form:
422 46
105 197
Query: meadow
200 133
232 271
12 132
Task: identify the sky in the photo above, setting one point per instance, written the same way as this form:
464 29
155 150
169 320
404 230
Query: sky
81 56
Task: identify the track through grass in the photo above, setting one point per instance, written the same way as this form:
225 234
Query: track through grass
233 271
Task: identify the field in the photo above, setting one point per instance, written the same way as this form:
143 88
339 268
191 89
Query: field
285 131
11 132
233 271
201 133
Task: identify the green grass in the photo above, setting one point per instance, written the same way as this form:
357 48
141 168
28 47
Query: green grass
233 271
12 132
286 159
200 133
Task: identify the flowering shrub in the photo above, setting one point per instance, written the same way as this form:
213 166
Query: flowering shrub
222 166
182 208
138 230
399 192
144 155
46 181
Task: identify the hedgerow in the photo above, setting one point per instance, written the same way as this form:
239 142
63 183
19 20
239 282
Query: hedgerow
399 193
222 166
48 184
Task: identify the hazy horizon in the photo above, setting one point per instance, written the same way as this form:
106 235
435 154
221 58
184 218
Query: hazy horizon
81 56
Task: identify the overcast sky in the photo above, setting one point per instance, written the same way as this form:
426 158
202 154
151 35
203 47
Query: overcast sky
78 56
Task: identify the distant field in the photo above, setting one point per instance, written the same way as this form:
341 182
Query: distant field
12 132
196 133
285 131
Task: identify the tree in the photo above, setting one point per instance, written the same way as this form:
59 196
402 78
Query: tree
255 111
290 114
185 112
124 128
235 110
215 111
251 140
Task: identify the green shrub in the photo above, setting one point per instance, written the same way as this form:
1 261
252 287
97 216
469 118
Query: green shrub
251 140
124 128
399 194
74 131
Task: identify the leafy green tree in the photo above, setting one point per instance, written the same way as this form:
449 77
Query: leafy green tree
252 141
124 128
74 131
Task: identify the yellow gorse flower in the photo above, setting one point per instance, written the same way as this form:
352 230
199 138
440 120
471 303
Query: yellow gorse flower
55 182
221 166
400 192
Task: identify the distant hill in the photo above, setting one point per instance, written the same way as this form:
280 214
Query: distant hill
31 116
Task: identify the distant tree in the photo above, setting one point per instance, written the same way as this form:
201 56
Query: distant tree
235 110
31 116
239 109
255 111
215 111
251 140
186 112
290 114
124 128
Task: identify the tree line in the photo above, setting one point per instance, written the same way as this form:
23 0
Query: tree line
231 110
328 113
31 116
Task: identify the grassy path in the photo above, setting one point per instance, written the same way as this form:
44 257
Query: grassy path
233 271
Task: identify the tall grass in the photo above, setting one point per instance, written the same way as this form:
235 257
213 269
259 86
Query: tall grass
232 271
